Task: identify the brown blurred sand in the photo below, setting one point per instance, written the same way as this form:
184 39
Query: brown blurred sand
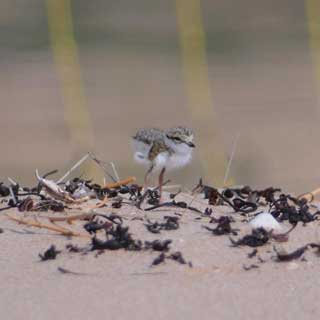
122 285
267 95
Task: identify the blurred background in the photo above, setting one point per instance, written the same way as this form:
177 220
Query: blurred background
79 76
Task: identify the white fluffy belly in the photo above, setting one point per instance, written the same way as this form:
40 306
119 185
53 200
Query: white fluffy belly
178 161
164 159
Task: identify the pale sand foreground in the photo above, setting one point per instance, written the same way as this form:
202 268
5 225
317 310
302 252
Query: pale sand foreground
121 285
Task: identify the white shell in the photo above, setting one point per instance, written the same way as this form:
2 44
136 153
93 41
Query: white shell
266 221
81 192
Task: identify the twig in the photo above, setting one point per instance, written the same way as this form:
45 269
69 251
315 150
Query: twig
120 183
6 208
37 224
100 204
15 201
102 165
14 182
233 151
172 186
309 196
182 205
67 271
84 158
115 171
82 216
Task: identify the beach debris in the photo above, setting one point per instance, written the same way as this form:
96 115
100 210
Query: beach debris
309 196
173 203
73 248
49 254
292 209
207 212
257 238
74 273
253 253
223 226
170 223
176 256
250 267
52 227
284 256
266 221
117 204
4 191
105 230
120 239
26 204
93 226
53 189
159 259
158 245
282 237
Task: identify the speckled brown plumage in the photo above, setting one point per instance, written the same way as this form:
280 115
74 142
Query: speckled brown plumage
158 146
148 136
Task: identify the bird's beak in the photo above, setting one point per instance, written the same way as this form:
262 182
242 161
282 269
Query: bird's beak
191 144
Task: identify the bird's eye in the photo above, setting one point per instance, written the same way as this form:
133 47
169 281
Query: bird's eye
176 138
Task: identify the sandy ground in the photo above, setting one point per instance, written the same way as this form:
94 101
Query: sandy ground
121 284
265 90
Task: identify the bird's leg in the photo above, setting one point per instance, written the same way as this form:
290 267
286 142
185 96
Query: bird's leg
145 184
161 176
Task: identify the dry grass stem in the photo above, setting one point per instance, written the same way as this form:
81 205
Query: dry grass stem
81 216
55 228
83 159
100 204
309 196
120 183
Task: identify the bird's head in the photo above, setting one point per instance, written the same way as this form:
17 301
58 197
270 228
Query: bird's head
180 135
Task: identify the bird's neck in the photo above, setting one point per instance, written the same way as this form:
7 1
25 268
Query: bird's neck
179 149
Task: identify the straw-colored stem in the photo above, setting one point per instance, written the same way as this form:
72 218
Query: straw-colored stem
82 216
309 196
37 224
120 183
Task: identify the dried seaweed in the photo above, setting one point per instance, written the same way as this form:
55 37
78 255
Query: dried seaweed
73 248
120 239
159 259
74 273
257 238
176 256
158 245
170 223
4 191
117 204
252 254
296 254
179 204
250 267
223 227
292 209
49 254
26 204
93 226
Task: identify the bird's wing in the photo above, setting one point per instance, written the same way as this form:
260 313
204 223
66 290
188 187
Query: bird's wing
148 136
